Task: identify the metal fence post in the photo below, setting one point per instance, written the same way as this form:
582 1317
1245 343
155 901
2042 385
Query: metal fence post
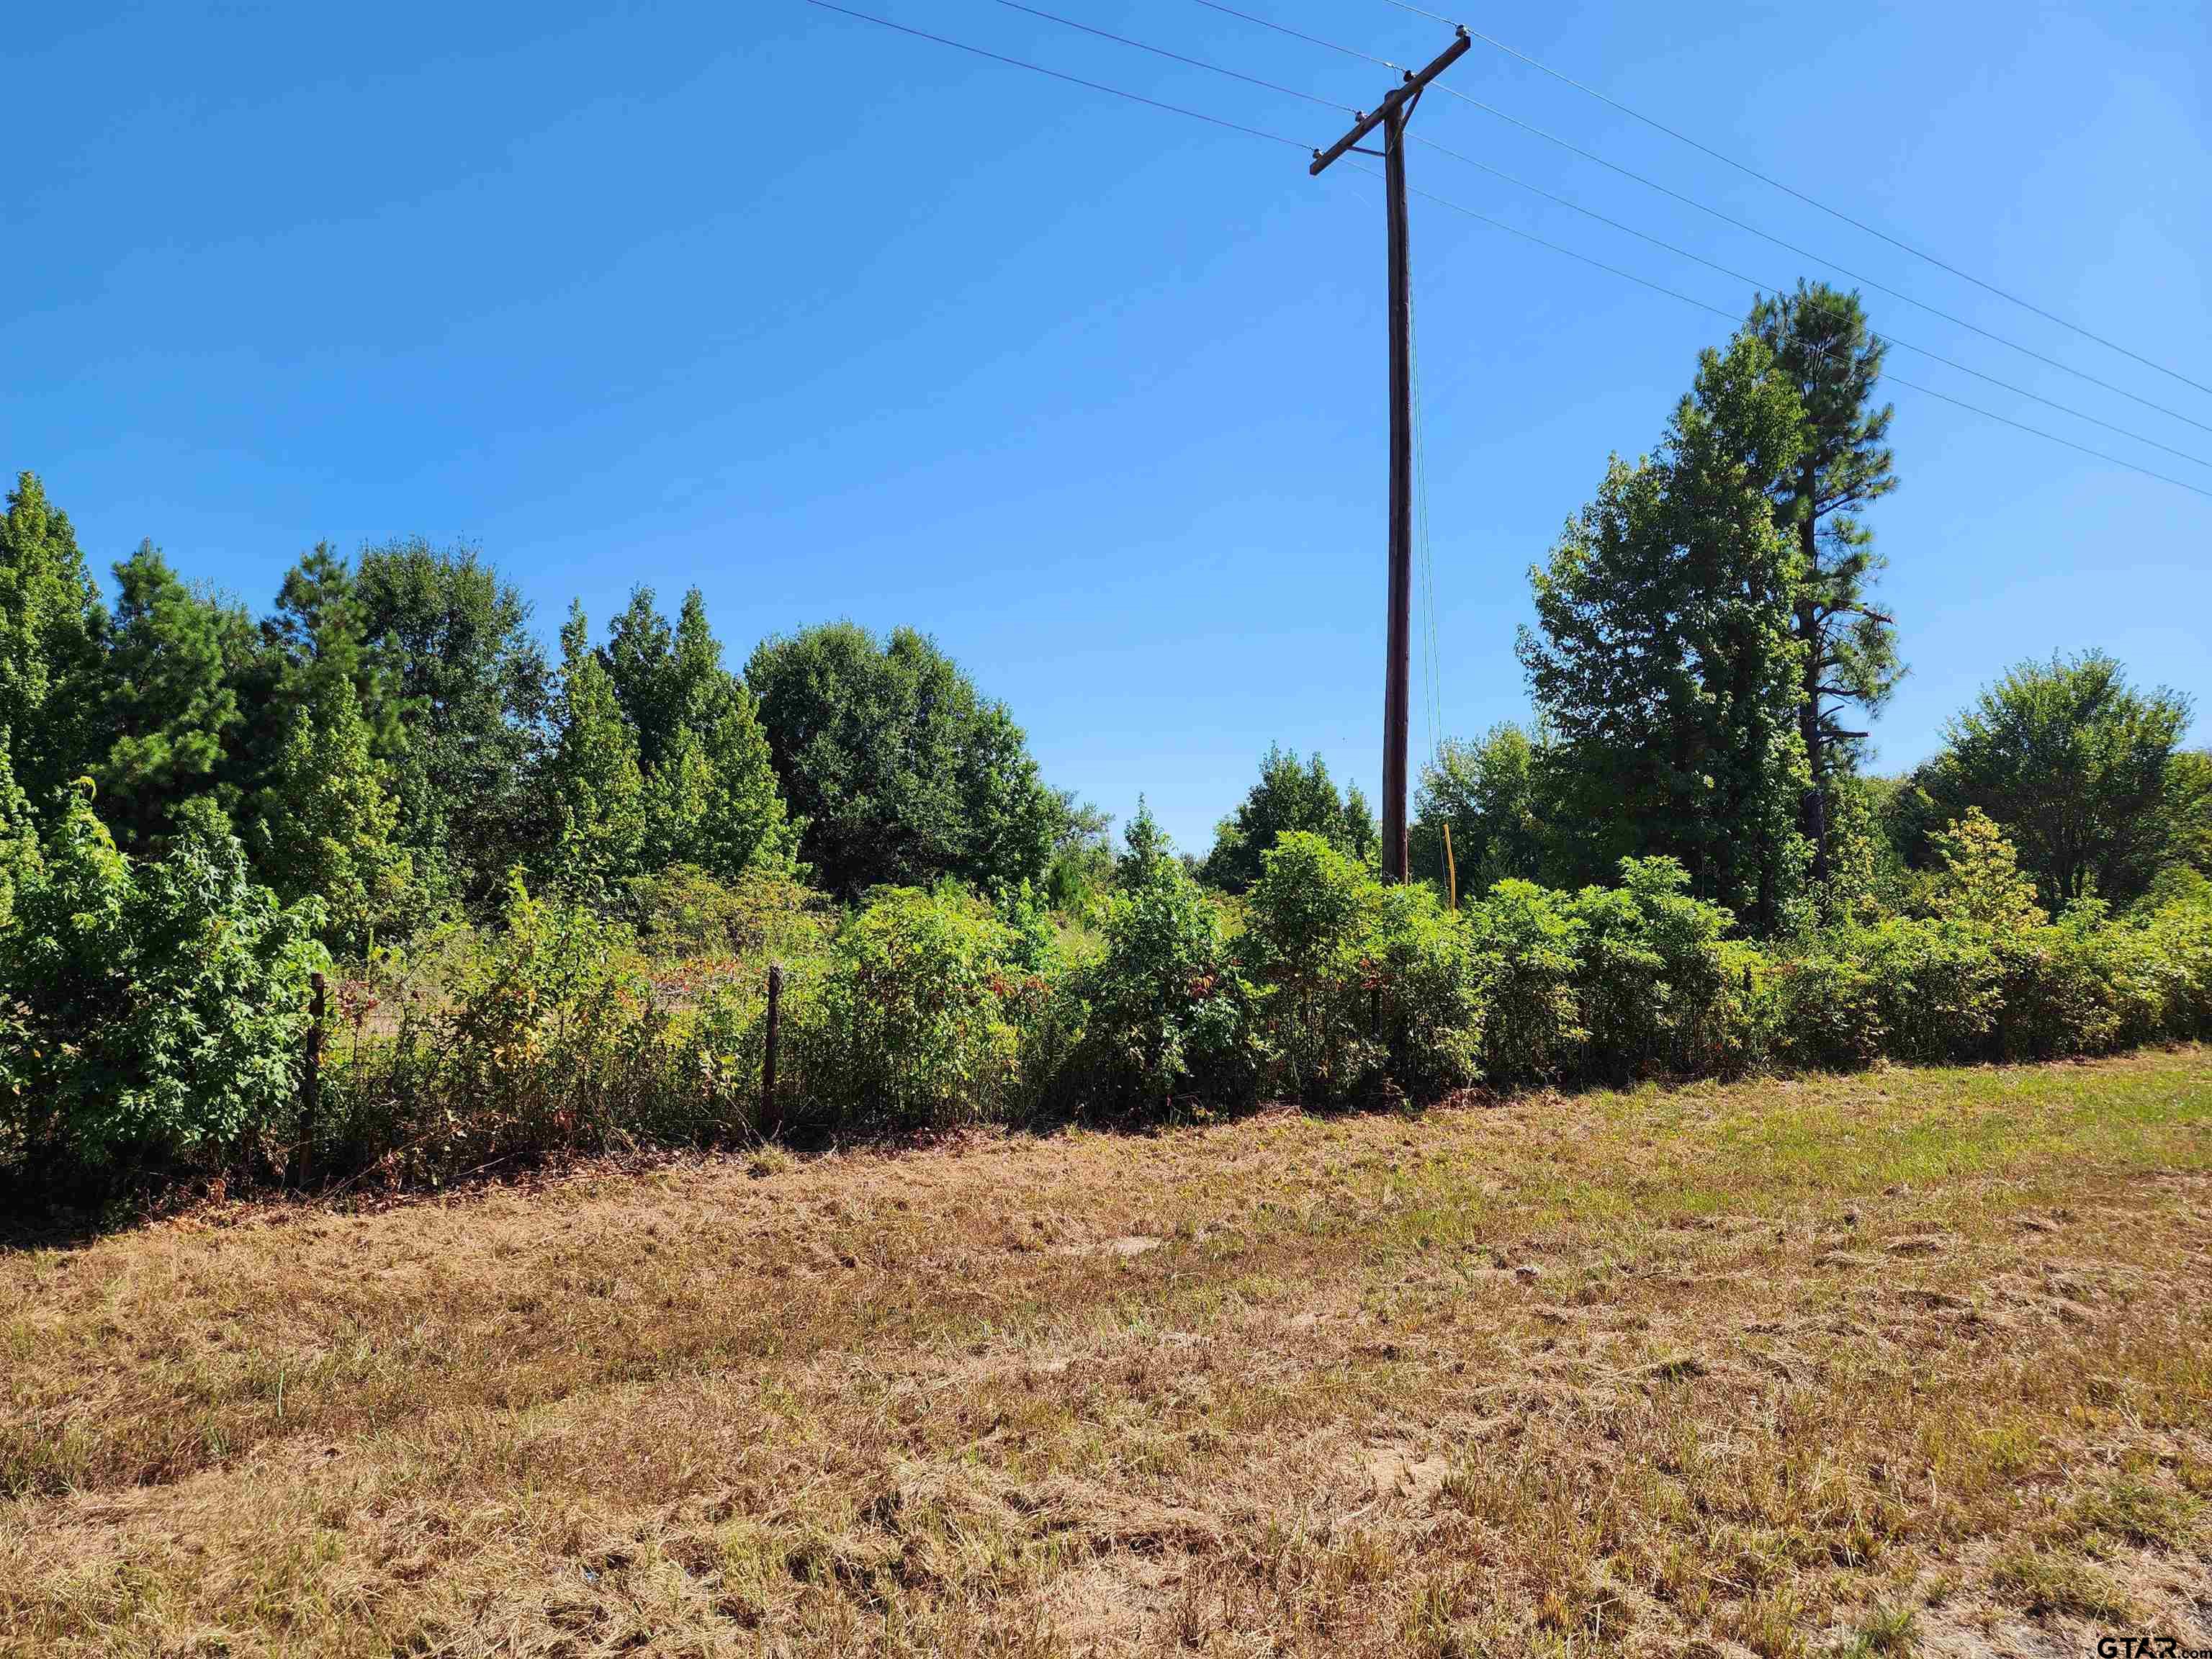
768 1046
311 1079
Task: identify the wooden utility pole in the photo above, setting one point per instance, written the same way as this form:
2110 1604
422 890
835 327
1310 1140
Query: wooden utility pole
1397 674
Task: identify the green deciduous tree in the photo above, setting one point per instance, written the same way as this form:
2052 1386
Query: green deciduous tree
2075 764
1977 880
1664 659
1821 343
476 692
167 700
1491 794
900 770
1289 797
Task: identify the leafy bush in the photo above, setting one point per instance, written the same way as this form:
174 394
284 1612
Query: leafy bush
1167 1014
160 1008
2081 985
157 1010
2179 938
1653 994
1826 1011
1306 925
924 1012
1529 943
1934 986
1430 978
1744 1032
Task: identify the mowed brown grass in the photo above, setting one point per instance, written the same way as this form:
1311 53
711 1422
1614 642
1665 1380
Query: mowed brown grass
1914 1361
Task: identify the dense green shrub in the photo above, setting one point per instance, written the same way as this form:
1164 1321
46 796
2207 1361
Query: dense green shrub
1744 1028
1653 994
156 1009
1423 961
1528 946
1308 921
2179 938
159 1007
1826 1011
1167 1013
924 1012
2080 986
1934 986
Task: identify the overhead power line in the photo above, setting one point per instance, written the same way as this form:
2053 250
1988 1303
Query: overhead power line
1771 288
1768 179
1569 146
1073 80
1195 63
1296 34
1821 258
1528 236
1906 345
1722 311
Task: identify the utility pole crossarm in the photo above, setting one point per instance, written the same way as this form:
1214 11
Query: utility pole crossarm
1411 90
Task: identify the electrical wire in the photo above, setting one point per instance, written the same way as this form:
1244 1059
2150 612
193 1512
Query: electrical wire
1648 183
1075 79
1514 230
1790 189
1284 29
1195 63
1722 311
1771 288
1819 258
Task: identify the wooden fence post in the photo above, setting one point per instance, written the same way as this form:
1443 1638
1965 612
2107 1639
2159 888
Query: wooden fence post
311 1079
768 1046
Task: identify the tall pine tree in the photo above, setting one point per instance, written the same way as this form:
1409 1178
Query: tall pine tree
597 782
1664 660
166 700
328 825
50 627
1822 345
710 789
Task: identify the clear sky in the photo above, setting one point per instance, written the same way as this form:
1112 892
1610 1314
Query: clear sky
831 321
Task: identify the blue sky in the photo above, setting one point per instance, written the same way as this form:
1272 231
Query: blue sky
831 322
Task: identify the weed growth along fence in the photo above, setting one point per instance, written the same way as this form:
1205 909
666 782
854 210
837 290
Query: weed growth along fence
641 1022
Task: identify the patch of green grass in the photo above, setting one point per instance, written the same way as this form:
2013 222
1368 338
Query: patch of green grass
2133 1511
2047 1581
1891 1630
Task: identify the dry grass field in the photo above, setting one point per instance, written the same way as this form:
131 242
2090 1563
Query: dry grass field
1907 1362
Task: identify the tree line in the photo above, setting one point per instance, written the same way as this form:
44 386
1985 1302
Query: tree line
546 884
1707 652
393 739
